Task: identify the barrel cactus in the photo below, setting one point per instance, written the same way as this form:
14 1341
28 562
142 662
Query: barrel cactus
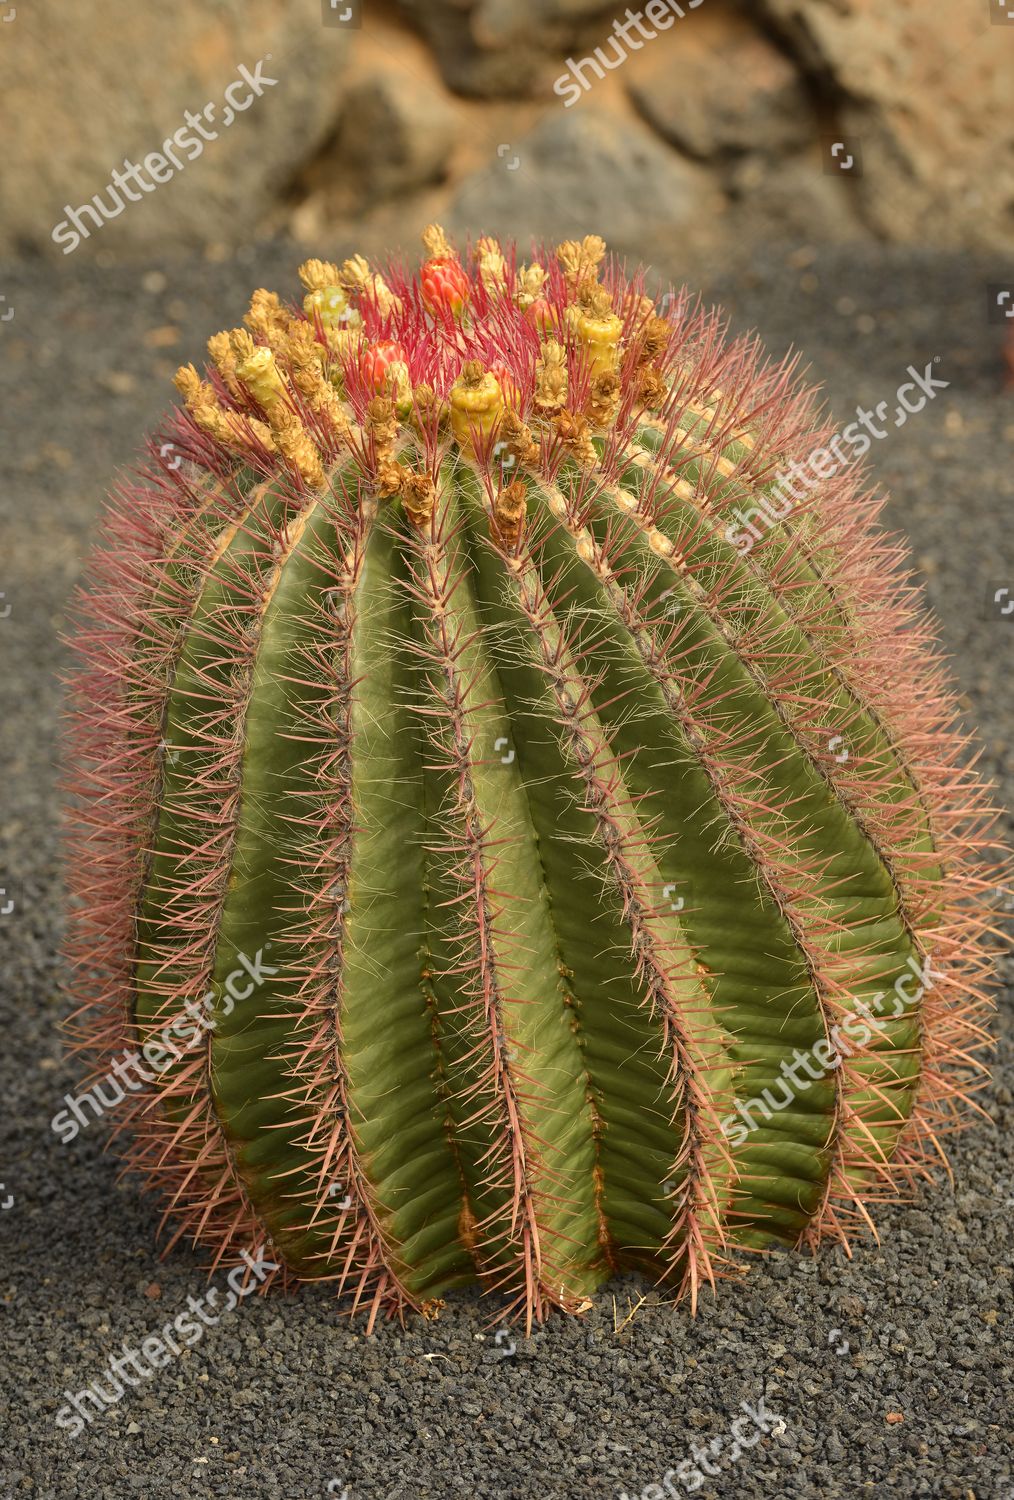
514 843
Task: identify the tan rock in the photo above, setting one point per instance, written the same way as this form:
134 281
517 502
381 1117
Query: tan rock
506 48
87 90
925 93
395 135
714 85
583 172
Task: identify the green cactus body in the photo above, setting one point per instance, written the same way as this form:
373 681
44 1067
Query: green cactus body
513 876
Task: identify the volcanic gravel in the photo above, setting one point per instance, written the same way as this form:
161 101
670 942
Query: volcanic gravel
892 1369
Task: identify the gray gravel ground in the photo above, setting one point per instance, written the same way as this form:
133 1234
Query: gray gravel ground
890 1370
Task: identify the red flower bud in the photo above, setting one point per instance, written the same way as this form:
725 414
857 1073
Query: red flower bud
444 284
376 361
543 315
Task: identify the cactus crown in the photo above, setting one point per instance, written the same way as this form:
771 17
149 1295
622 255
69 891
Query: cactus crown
523 871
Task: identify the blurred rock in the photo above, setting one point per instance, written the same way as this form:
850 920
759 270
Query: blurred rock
925 96
395 134
718 87
84 89
779 199
583 173
368 131
505 48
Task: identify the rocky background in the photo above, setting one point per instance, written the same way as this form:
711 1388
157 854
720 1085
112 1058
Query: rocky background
388 113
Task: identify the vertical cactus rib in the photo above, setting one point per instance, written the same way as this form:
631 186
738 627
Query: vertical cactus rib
699 1079
781 558
322 825
627 1078
358 1160
128 623
521 1113
111 815
180 910
396 1094
205 521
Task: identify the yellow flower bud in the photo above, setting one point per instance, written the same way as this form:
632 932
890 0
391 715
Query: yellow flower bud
476 404
331 305
600 337
260 375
